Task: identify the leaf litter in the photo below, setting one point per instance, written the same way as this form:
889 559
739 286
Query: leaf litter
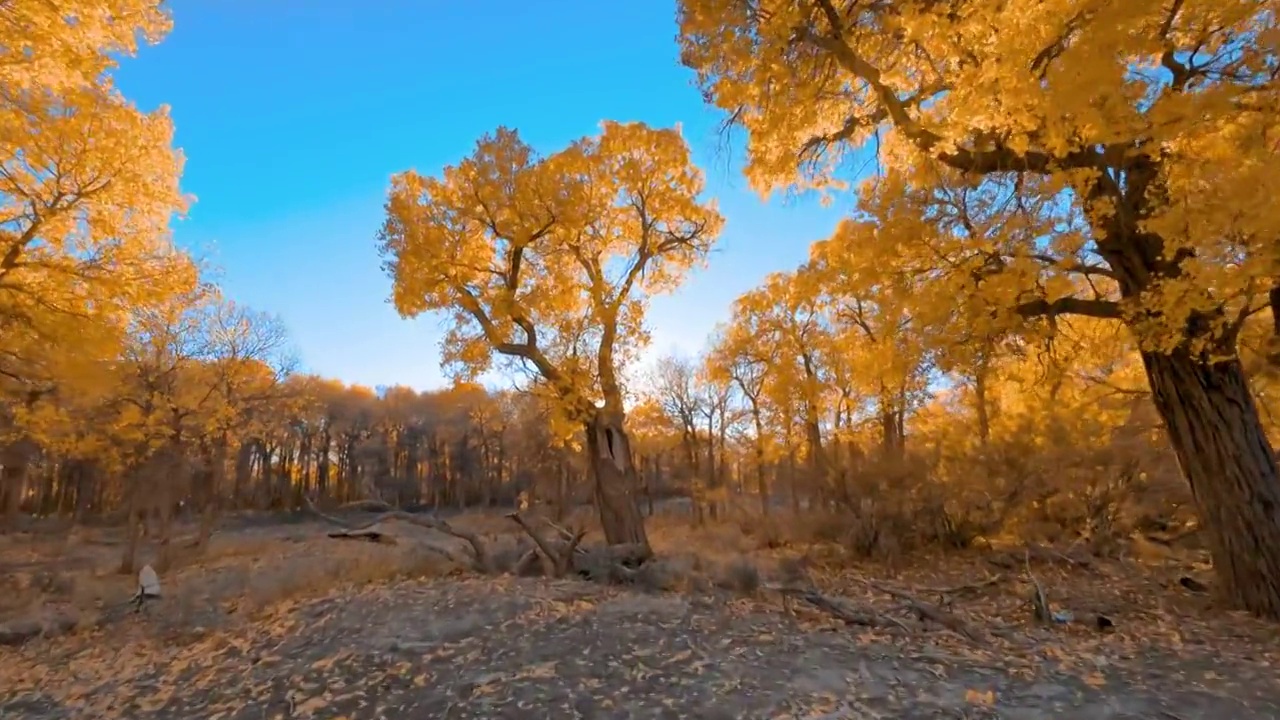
950 639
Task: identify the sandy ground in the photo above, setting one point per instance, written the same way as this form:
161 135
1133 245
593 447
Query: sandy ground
280 640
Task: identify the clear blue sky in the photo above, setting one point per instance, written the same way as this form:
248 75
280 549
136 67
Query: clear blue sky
293 115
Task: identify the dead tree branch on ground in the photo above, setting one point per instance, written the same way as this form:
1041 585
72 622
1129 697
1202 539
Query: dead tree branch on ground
480 558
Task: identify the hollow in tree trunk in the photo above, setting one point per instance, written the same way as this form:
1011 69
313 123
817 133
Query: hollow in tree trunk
616 482
1215 430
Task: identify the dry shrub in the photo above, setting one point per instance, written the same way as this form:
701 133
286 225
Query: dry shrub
693 572
766 533
1067 488
1061 487
671 573
713 540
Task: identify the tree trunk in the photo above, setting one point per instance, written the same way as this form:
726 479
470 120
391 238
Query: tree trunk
217 471
609 452
13 485
981 402
133 530
164 549
891 439
762 485
1215 430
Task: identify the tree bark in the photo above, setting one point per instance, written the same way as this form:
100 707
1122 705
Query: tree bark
1216 432
980 404
133 528
762 485
609 451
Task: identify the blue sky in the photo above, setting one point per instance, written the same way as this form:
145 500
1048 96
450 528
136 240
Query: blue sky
293 115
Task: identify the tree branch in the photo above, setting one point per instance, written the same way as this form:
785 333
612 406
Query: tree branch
997 158
1074 267
1105 309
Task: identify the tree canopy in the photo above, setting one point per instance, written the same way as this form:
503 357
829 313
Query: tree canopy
550 260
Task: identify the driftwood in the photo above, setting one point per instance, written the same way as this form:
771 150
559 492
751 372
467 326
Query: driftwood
1039 600
965 587
373 506
374 533
566 555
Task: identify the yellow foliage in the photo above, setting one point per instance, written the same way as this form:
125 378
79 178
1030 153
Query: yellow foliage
549 260
71 43
88 187
1031 146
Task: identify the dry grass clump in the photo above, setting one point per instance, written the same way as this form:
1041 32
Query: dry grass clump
236 578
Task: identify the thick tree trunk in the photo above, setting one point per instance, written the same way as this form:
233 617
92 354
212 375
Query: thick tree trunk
609 452
1215 430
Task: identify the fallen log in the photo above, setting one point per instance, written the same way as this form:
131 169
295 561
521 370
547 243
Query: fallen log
374 534
479 559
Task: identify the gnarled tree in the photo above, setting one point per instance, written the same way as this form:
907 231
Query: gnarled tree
548 261
1152 122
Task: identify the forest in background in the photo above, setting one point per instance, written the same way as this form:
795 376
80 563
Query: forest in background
970 356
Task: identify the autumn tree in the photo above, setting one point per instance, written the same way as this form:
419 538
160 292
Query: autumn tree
880 350
548 260
1151 124
701 408
71 44
88 183
245 364
674 386
736 357
787 320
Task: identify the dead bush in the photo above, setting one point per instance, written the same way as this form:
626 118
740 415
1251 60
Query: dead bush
766 533
669 574
1051 486
740 575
